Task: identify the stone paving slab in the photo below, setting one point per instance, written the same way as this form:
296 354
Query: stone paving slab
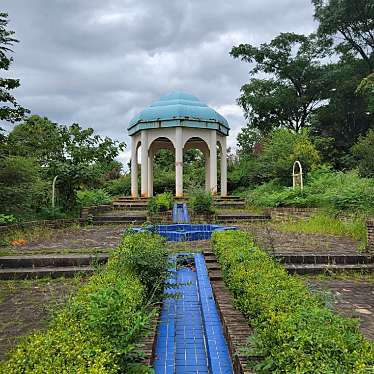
351 298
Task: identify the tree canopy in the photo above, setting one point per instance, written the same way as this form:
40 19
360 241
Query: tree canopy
296 81
10 110
350 24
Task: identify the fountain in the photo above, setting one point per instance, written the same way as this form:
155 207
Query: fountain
183 232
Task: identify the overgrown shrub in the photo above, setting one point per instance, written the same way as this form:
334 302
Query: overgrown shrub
160 203
200 201
294 332
144 254
98 330
119 186
93 197
7 218
23 191
363 151
323 188
281 150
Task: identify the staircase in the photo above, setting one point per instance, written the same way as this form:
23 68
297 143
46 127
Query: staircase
129 210
56 265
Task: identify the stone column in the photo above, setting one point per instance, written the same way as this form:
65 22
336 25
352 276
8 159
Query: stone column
213 162
178 162
207 171
150 173
144 164
223 166
134 168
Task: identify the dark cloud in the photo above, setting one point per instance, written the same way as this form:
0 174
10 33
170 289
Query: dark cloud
100 62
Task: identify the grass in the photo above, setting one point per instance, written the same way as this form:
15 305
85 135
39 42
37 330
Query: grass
324 223
344 276
36 233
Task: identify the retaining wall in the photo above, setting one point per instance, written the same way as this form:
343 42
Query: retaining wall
289 213
93 210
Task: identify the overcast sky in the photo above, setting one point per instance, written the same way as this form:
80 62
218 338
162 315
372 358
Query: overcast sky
98 62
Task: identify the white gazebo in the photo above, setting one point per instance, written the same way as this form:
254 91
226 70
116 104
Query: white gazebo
178 121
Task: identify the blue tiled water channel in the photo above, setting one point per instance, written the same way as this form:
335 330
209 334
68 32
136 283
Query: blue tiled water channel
184 232
190 337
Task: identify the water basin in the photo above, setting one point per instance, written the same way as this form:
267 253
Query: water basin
184 232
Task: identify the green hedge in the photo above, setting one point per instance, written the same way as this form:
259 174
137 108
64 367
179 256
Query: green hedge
99 328
294 331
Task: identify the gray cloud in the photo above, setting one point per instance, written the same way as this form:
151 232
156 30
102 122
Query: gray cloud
99 63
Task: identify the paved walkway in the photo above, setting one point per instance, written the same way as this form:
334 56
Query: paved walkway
351 298
190 337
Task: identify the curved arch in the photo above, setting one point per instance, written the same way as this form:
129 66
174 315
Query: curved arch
160 143
160 133
189 133
297 178
198 143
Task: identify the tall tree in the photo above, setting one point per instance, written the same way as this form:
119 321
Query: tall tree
10 110
78 156
296 81
350 23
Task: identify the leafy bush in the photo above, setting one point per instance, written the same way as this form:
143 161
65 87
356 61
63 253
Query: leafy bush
93 197
7 218
324 188
99 329
22 188
144 254
201 201
119 186
280 152
363 151
294 332
160 203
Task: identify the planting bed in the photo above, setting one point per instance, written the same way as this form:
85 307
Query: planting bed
27 305
276 241
75 239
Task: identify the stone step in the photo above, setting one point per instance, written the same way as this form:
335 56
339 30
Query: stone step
51 260
229 204
121 219
215 275
54 272
130 206
313 259
213 266
228 198
240 216
304 269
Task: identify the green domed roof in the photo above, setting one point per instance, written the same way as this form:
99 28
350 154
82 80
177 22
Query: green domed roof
178 109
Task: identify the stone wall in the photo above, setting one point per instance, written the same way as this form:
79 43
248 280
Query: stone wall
166 217
93 210
279 214
370 226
